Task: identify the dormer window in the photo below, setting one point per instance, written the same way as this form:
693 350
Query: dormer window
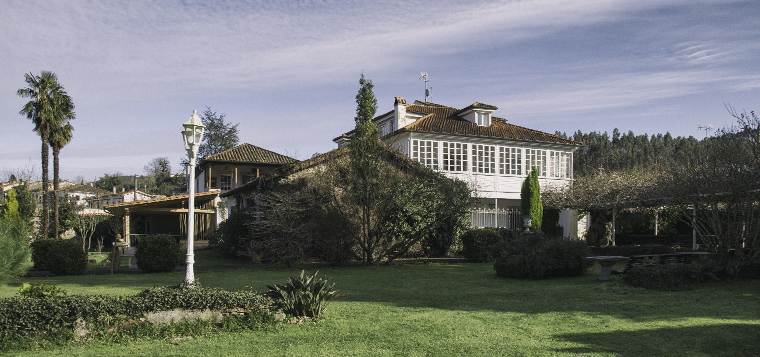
478 114
483 119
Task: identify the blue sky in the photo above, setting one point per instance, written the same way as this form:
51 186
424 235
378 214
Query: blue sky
288 71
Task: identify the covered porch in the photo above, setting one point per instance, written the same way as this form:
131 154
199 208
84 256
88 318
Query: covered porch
167 215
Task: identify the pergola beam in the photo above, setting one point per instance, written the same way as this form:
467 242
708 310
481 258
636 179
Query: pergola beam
171 210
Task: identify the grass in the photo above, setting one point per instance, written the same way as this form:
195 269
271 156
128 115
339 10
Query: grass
460 309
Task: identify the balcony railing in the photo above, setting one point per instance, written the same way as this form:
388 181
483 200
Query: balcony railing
501 218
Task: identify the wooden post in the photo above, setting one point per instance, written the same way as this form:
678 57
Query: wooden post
656 221
614 213
694 227
126 226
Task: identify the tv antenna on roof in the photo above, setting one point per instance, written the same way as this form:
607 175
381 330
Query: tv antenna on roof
707 128
424 78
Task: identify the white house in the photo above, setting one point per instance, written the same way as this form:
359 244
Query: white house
491 154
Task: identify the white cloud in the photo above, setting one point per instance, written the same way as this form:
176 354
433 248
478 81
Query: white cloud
145 61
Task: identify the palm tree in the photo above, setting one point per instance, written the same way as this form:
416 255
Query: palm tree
59 137
47 96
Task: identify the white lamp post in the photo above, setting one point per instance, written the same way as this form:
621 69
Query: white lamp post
193 134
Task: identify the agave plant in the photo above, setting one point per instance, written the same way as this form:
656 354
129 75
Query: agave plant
302 295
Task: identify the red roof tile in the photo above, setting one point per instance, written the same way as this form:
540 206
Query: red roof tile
437 118
248 153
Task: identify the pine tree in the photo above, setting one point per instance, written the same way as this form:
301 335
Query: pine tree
218 135
26 203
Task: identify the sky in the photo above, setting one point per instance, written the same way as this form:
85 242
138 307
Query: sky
288 71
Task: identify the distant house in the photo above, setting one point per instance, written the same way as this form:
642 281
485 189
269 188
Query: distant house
36 188
491 154
6 186
87 197
216 173
110 198
232 168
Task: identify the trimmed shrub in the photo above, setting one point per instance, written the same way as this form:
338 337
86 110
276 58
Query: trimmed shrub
59 256
14 248
25 317
158 253
674 276
529 255
477 244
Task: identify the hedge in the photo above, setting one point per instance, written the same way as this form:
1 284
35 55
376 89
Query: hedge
59 256
24 316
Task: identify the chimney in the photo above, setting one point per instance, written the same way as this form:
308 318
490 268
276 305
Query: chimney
114 190
399 121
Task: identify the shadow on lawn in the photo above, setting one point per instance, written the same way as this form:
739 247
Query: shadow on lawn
474 287
467 287
713 340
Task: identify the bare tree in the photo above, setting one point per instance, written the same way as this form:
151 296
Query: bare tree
86 224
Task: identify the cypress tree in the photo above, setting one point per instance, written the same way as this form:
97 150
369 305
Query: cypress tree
11 205
364 171
530 199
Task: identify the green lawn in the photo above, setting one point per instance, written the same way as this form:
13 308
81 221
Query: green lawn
461 310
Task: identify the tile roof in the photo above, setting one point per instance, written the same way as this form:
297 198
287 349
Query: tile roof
444 120
441 119
388 152
247 153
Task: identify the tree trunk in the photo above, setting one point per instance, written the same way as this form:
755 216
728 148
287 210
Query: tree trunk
44 133
56 183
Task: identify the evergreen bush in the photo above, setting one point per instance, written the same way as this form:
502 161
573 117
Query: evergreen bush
14 248
531 255
158 253
629 250
31 315
672 276
477 244
530 200
59 256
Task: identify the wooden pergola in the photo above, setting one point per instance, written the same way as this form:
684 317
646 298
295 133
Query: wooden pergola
166 215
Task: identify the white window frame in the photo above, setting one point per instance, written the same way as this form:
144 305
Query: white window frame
483 119
483 159
425 152
454 156
510 161
537 158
